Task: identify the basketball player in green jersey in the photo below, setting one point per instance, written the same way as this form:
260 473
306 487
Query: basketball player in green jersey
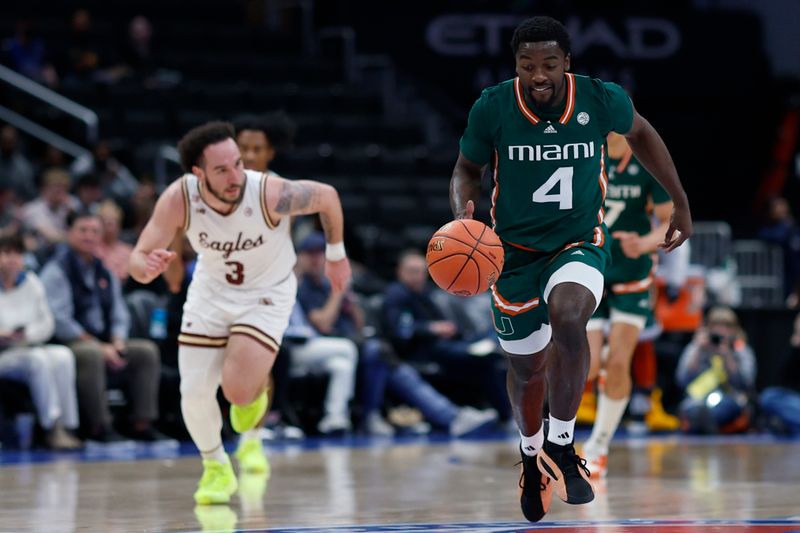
632 194
544 133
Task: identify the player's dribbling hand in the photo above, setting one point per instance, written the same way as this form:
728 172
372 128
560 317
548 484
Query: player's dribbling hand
339 274
680 228
158 260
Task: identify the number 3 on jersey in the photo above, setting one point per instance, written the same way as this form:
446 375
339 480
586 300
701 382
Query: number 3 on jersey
236 276
561 178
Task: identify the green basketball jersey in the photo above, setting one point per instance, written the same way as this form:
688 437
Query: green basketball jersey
550 180
630 186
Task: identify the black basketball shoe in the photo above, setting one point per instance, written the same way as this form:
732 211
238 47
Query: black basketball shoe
567 471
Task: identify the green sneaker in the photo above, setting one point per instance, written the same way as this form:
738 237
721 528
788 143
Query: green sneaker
251 457
217 484
245 417
217 518
252 488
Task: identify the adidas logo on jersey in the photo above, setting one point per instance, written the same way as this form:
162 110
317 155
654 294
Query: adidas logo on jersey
577 252
550 129
564 435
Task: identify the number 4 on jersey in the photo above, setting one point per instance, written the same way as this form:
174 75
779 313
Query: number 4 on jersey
561 178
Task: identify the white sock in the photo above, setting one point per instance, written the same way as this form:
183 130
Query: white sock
609 414
217 454
561 431
532 445
252 434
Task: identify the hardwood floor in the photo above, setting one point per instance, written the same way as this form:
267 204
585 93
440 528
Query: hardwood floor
691 484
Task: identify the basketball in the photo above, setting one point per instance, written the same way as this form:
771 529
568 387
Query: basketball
465 257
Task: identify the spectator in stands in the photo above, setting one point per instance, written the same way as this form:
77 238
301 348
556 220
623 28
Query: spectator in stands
81 60
10 222
718 372
46 216
142 205
26 323
26 53
52 157
338 314
782 230
114 253
136 52
88 193
116 181
15 168
312 353
419 332
92 318
779 404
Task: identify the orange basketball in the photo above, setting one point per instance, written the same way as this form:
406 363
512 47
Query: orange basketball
465 257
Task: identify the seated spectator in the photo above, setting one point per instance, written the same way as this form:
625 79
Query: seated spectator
718 372
15 169
420 332
10 223
380 369
312 353
26 53
88 193
338 314
114 253
46 216
116 181
26 323
81 55
136 52
782 230
92 319
142 205
780 403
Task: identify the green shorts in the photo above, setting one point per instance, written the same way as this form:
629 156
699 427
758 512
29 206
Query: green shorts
627 302
519 298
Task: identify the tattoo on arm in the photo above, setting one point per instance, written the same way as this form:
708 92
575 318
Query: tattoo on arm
296 198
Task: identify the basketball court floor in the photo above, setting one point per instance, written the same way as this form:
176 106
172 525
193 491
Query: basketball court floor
656 484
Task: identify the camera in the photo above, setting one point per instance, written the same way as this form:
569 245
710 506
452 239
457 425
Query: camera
716 339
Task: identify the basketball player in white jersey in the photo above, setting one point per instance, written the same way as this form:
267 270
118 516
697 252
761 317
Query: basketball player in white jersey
243 288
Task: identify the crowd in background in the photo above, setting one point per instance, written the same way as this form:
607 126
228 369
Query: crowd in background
387 356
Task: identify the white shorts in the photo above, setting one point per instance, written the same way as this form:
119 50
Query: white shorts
211 316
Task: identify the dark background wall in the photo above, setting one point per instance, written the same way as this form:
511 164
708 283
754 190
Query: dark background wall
701 75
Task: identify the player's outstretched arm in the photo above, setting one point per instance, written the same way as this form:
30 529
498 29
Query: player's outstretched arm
650 149
465 187
150 256
307 197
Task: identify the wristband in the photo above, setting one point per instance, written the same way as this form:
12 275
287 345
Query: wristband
335 252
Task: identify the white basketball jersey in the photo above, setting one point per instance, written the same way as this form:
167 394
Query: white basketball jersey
243 250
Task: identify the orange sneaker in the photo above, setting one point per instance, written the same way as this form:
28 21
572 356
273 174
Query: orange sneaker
597 465
568 472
